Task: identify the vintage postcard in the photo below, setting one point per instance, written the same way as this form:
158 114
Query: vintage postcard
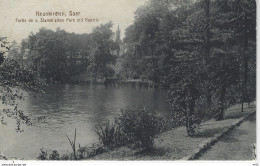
127 80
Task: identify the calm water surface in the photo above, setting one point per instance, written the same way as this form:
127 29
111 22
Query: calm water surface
67 107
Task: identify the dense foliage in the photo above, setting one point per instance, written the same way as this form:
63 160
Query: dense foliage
204 51
101 56
139 125
133 126
14 79
59 55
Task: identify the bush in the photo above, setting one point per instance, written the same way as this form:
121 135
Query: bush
134 125
165 124
54 156
139 126
43 155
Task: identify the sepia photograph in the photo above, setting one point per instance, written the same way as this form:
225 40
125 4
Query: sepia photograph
127 80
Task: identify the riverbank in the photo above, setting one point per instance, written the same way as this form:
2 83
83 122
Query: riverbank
112 82
176 145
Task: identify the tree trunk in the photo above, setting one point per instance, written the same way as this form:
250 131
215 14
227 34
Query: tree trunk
221 108
191 128
245 62
191 111
207 48
207 31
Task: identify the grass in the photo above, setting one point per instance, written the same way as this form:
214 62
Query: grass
110 135
75 155
236 145
73 145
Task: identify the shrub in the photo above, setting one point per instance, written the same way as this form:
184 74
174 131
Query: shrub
43 155
165 124
54 156
139 125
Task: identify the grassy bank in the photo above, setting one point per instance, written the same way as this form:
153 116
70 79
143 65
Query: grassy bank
175 144
238 144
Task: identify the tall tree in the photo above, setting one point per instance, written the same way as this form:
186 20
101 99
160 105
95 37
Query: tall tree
240 16
186 88
102 47
118 41
207 44
57 55
47 51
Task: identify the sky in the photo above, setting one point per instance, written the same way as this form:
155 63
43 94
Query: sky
120 12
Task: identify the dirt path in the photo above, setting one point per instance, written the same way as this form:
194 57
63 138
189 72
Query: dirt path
236 145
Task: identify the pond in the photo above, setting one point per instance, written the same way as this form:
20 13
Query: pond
62 108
